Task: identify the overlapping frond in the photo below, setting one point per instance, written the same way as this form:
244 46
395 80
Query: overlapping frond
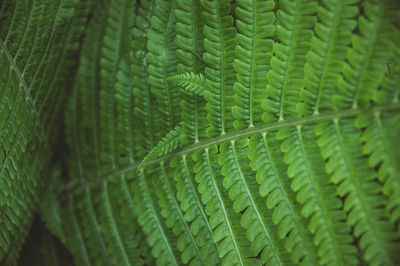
367 57
318 197
109 236
291 157
37 41
380 136
295 20
265 154
126 130
240 180
380 140
189 41
174 217
115 44
121 245
162 241
145 116
340 140
233 247
162 63
194 209
325 60
75 235
219 45
255 26
362 192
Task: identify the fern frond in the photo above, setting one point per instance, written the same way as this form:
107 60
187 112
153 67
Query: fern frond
90 229
122 251
50 210
31 37
167 144
46 68
87 95
129 217
174 217
191 82
24 47
219 44
380 140
317 196
189 41
191 204
264 154
114 46
239 179
159 238
145 115
340 140
162 63
295 20
363 195
253 52
126 129
389 91
367 57
287 159
75 237
233 247
61 62
380 136
327 56
120 229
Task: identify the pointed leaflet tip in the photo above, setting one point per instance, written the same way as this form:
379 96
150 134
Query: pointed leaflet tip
166 145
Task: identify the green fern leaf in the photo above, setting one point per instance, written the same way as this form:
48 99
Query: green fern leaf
380 139
285 80
145 117
186 243
161 240
194 210
255 28
239 180
38 44
369 53
318 197
167 144
219 44
189 41
232 246
162 63
290 156
275 185
325 60
191 82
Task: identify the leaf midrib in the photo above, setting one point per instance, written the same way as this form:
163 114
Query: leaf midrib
238 134
254 206
29 99
22 81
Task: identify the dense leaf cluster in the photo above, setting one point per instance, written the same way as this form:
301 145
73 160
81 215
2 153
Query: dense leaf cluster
210 132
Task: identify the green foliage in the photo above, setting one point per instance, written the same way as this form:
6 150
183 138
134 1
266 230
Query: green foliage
191 82
38 41
166 145
212 132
